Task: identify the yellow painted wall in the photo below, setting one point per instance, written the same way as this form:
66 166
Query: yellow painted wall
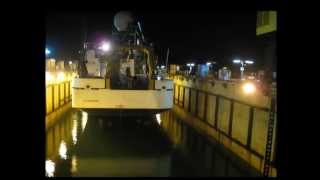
268 27
201 104
53 90
193 101
241 113
211 106
186 100
240 122
232 90
223 115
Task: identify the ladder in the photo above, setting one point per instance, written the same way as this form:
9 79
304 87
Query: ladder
267 159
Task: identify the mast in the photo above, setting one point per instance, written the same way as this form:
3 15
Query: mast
167 58
82 63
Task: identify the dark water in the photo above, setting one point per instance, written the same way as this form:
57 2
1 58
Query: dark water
82 144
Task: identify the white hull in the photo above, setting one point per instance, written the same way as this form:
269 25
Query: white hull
93 94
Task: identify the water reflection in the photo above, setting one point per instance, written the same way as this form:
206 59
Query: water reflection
84 120
63 150
74 164
83 144
50 167
74 131
158 118
92 145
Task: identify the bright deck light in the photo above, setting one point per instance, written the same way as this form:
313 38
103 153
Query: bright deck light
248 62
249 88
47 51
236 61
105 46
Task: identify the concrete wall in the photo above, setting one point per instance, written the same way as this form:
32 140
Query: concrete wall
242 120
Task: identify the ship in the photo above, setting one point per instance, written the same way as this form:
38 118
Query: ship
121 74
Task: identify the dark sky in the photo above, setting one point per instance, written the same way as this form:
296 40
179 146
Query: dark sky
197 36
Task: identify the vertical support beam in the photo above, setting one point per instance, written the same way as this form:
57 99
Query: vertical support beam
69 90
68 95
196 104
46 104
58 95
183 96
174 93
205 107
178 95
189 104
216 112
53 98
230 118
65 92
249 136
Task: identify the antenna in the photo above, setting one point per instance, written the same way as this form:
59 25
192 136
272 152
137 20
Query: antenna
140 30
82 66
167 58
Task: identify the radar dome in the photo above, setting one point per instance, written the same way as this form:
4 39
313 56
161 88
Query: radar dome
122 20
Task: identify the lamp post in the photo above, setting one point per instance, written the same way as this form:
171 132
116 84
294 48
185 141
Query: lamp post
243 63
48 52
190 65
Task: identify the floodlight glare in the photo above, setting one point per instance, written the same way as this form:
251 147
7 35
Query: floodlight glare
47 51
248 62
236 61
105 46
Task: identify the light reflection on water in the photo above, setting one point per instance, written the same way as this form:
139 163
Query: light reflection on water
101 139
63 150
50 168
97 146
158 118
84 120
74 131
74 164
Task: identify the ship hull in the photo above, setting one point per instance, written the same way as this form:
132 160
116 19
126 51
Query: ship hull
93 96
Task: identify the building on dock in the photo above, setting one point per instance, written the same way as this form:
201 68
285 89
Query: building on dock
266 29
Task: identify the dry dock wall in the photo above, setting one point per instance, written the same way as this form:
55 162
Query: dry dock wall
58 98
220 110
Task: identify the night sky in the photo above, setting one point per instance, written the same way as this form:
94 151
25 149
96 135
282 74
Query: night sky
190 36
